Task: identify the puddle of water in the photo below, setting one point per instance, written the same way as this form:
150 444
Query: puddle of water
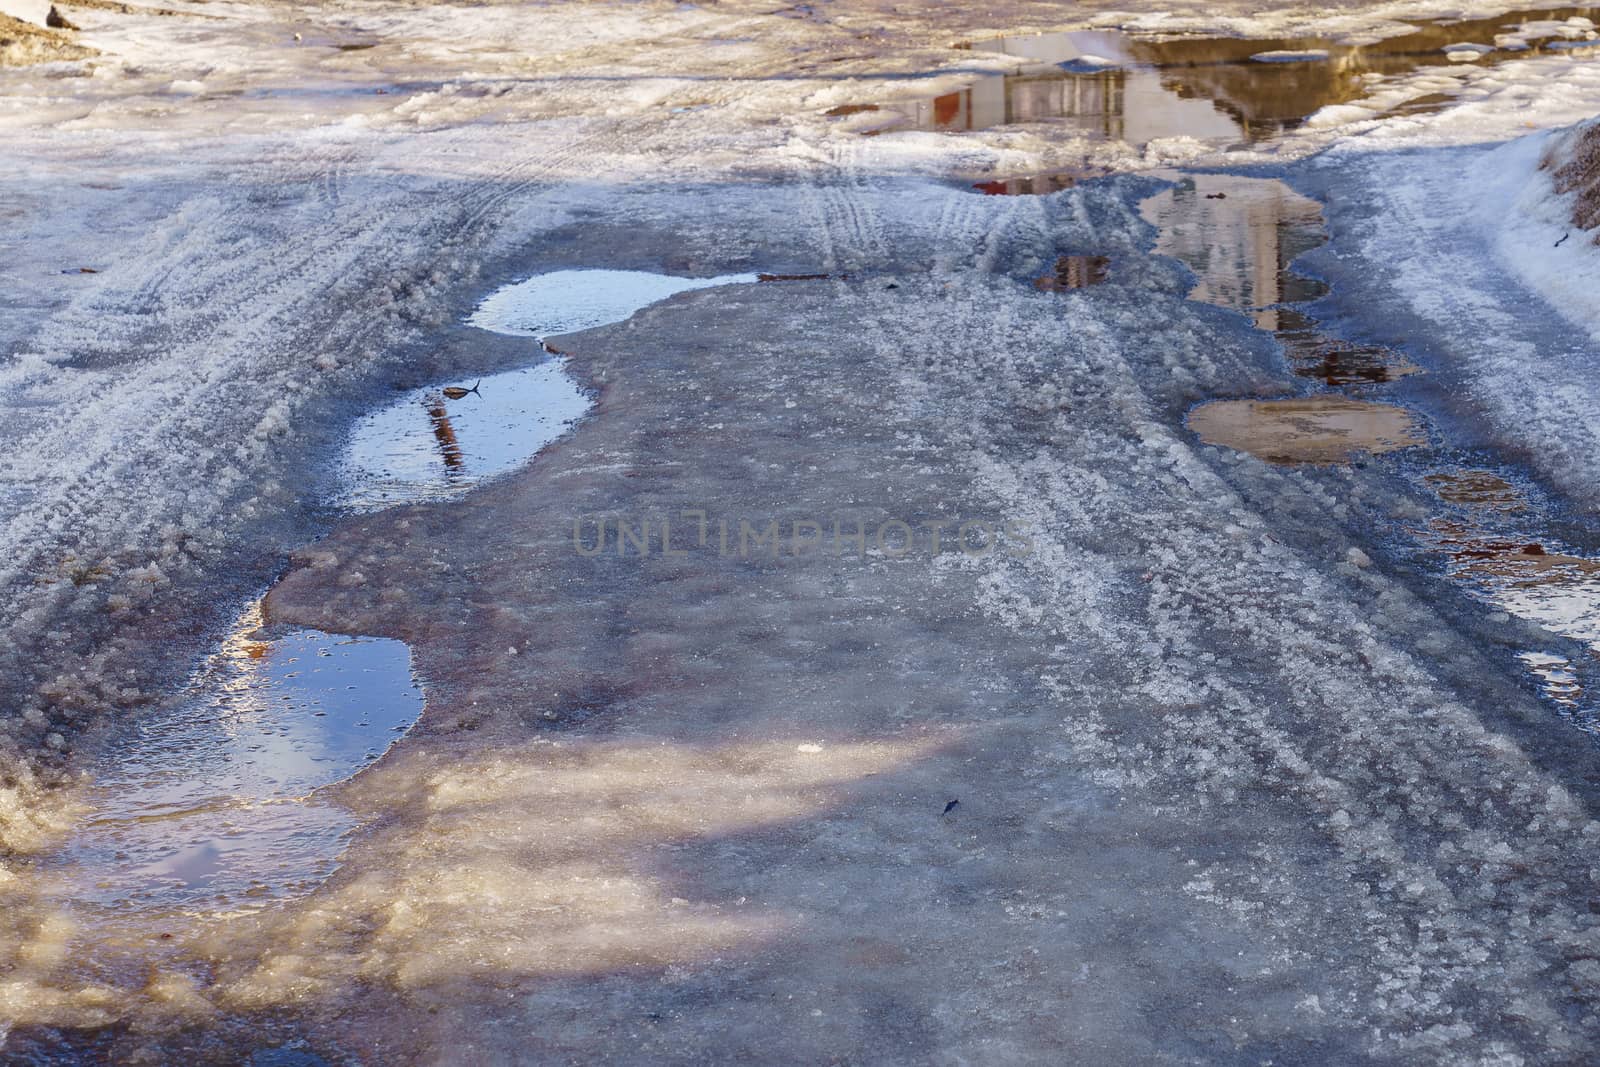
566 301
1531 579
1074 272
1317 429
432 444
1038 184
1477 488
1240 237
1116 86
211 804
1556 677
428 446
1340 363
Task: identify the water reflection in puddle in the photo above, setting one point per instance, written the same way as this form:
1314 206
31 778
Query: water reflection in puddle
1074 272
1240 236
1115 86
1038 184
1487 548
566 301
212 803
1331 361
427 446
1317 429
431 445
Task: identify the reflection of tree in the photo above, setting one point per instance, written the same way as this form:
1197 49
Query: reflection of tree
445 435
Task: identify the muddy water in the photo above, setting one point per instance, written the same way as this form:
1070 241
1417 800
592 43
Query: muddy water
1241 237
213 803
1318 429
1115 86
1477 488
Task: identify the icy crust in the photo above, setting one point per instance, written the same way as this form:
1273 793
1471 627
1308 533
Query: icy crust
1205 772
291 222
1224 794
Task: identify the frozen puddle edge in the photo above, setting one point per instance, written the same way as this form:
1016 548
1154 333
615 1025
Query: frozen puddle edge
212 803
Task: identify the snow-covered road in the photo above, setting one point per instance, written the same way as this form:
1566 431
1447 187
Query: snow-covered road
1236 780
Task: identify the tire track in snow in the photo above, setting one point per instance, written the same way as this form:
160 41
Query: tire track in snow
224 342
1426 808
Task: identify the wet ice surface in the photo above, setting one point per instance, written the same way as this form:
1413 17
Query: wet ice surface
212 803
1241 237
432 445
1124 87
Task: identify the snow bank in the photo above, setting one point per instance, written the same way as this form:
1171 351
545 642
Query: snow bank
1539 198
25 40
1472 254
1574 160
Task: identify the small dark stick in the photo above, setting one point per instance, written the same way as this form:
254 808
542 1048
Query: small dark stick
1563 238
948 808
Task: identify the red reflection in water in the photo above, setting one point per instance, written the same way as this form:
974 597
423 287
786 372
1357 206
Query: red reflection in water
445 435
1074 272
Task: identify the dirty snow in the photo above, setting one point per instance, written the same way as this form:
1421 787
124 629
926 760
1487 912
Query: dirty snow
1224 794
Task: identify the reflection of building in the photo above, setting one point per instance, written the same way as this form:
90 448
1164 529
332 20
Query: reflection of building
976 108
1138 89
1075 272
1095 100
1037 184
1239 237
